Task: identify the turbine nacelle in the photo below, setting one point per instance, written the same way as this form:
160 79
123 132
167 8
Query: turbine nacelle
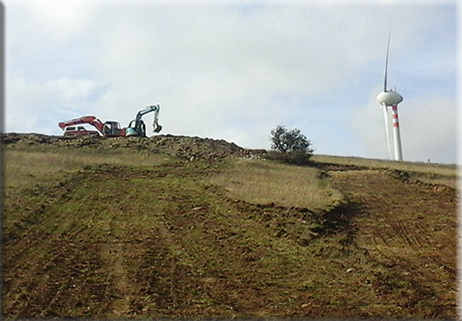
389 98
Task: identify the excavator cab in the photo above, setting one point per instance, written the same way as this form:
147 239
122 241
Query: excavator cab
136 128
112 128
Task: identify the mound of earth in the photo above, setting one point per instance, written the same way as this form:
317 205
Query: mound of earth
180 146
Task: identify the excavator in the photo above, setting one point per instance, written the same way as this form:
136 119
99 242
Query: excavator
106 129
137 126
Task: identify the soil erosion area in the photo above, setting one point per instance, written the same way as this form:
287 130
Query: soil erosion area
118 241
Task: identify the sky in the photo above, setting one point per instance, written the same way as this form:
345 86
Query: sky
236 69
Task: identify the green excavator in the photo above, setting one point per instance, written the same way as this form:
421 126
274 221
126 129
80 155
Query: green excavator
137 127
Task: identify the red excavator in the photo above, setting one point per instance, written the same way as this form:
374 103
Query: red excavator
106 129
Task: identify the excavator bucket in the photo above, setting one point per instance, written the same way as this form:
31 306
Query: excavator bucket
157 127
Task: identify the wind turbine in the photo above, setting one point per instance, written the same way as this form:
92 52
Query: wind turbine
389 98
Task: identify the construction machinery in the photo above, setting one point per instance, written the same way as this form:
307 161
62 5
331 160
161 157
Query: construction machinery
137 126
106 129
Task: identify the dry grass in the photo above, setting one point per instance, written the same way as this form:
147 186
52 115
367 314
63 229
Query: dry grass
263 182
441 169
26 167
427 172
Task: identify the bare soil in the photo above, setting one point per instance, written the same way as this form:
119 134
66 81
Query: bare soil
116 241
409 228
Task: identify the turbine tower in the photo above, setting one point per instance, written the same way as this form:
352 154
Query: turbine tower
390 98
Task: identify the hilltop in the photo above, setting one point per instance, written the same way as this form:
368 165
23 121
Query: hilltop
183 147
183 227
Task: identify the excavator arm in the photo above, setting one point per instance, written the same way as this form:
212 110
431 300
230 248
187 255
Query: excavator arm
92 120
153 108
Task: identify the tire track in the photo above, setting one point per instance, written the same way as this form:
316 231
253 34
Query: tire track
417 230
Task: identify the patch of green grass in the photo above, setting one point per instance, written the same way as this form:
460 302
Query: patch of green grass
263 182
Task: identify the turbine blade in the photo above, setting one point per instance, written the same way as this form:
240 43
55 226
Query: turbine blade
385 118
386 63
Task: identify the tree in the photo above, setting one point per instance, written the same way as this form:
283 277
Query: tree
293 145
289 140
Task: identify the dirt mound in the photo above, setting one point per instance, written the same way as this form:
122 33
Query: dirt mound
184 147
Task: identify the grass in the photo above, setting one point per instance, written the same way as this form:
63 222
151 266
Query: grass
441 169
443 174
28 165
263 182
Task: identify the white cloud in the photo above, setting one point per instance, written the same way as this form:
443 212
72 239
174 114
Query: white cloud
68 89
59 19
38 107
21 113
430 129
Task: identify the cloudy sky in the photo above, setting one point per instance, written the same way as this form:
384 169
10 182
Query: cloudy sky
234 70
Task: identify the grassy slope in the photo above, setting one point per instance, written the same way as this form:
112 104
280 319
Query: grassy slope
426 172
103 234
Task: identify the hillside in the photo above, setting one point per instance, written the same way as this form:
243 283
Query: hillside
183 227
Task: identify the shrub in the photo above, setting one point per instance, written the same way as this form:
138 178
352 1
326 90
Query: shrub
290 146
294 158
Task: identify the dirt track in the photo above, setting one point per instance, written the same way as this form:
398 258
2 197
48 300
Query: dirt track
118 241
409 227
